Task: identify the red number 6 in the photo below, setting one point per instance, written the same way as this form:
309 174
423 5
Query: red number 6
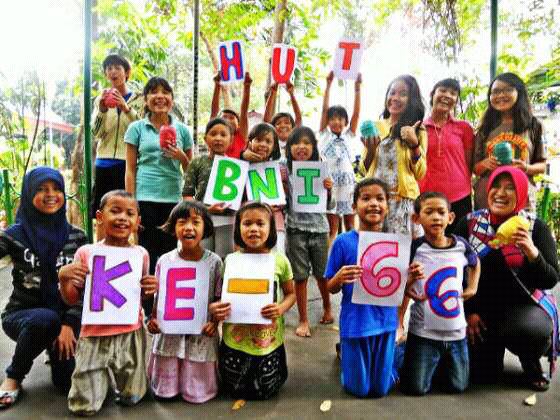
370 280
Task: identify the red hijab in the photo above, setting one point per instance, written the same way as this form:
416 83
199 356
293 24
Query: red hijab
521 184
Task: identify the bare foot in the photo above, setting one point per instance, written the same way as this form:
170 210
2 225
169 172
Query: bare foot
327 318
302 329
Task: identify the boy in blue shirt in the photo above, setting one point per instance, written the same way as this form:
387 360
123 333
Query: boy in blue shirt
367 332
445 257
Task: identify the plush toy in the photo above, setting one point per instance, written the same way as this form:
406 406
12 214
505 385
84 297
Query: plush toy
507 229
167 136
108 98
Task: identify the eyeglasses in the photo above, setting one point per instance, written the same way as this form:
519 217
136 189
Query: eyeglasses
508 91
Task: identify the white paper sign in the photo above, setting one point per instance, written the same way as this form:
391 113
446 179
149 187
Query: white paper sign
226 182
309 195
232 61
264 183
284 59
348 58
248 286
182 306
385 259
112 287
443 285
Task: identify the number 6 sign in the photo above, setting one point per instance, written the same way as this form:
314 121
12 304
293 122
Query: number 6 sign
444 308
384 258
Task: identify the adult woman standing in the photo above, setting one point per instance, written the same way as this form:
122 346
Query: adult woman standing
450 150
510 309
508 120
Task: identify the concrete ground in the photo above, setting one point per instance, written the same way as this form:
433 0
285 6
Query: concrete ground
313 377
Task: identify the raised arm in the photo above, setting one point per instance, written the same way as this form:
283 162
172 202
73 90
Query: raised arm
324 112
216 97
270 101
243 114
295 105
356 113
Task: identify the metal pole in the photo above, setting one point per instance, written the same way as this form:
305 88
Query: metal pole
195 69
494 38
7 198
87 111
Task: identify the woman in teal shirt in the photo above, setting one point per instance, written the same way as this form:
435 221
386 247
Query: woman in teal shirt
152 174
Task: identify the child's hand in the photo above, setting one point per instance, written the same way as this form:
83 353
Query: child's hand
247 80
349 274
218 208
149 285
210 329
75 273
290 87
271 311
475 328
218 78
153 326
328 183
415 273
408 134
330 77
469 292
252 156
65 343
220 310
358 82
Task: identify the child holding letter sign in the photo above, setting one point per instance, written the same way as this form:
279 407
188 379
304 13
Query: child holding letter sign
252 356
105 349
218 137
367 332
187 364
445 258
308 233
263 146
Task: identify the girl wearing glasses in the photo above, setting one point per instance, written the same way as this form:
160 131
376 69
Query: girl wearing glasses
508 134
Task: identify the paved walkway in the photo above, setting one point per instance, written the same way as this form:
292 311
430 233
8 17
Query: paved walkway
313 378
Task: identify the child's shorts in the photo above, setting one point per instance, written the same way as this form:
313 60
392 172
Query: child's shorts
422 357
306 251
197 382
123 355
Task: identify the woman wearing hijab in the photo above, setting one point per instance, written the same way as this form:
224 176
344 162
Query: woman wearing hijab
512 308
35 317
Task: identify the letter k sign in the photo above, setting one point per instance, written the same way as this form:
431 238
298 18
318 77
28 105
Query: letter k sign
100 287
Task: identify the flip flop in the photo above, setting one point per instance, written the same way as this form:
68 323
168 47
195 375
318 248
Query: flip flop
326 321
539 384
14 395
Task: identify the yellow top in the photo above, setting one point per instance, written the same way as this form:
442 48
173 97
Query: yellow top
409 172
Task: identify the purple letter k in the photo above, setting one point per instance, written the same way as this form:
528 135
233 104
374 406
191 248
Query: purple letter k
100 287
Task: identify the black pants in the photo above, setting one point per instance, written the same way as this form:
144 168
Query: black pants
524 329
461 208
252 377
105 180
156 242
35 330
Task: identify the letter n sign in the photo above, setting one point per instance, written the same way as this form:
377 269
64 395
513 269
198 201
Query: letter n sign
264 183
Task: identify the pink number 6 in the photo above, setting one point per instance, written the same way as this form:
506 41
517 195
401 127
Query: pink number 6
370 280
